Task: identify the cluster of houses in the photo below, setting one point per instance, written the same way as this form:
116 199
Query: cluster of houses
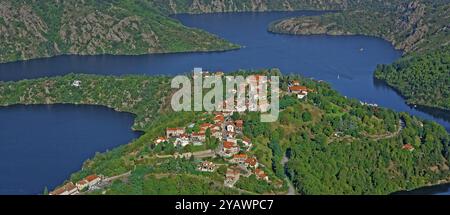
232 148
233 144
223 128
70 188
243 165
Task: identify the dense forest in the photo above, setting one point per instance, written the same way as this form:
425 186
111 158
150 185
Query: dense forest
334 145
423 79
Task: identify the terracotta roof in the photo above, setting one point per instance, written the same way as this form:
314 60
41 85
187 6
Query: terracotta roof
198 134
205 125
219 117
240 156
228 144
58 191
174 129
408 147
260 173
90 178
70 186
82 182
298 88
239 123
251 161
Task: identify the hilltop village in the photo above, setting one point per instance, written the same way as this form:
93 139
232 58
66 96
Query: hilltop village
231 146
234 147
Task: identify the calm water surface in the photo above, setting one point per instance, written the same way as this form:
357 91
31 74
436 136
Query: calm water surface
42 145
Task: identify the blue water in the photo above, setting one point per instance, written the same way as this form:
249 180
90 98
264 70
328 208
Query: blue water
42 145
337 60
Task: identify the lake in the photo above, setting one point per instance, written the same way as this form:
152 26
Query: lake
335 59
42 145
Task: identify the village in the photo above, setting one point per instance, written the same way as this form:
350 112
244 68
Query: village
234 147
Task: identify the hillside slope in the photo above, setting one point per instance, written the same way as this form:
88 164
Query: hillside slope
34 29
420 28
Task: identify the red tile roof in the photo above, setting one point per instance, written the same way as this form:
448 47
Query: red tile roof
240 156
298 88
220 118
408 147
205 125
197 134
251 161
175 129
90 178
239 123
228 144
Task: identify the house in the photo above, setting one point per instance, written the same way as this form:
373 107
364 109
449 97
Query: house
231 177
295 83
205 126
229 134
76 83
247 142
251 162
219 118
238 158
182 140
300 91
408 147
198 137
92 180
229 127
174 132
206 166
297 89
302 95
229 148
82 184
239 124
261 175
67 189
160 140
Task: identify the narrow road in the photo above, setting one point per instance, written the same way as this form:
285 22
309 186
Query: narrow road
401 126
291 190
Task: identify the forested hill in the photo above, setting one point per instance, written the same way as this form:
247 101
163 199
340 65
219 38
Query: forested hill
34 29
422 78
420 28
210 6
